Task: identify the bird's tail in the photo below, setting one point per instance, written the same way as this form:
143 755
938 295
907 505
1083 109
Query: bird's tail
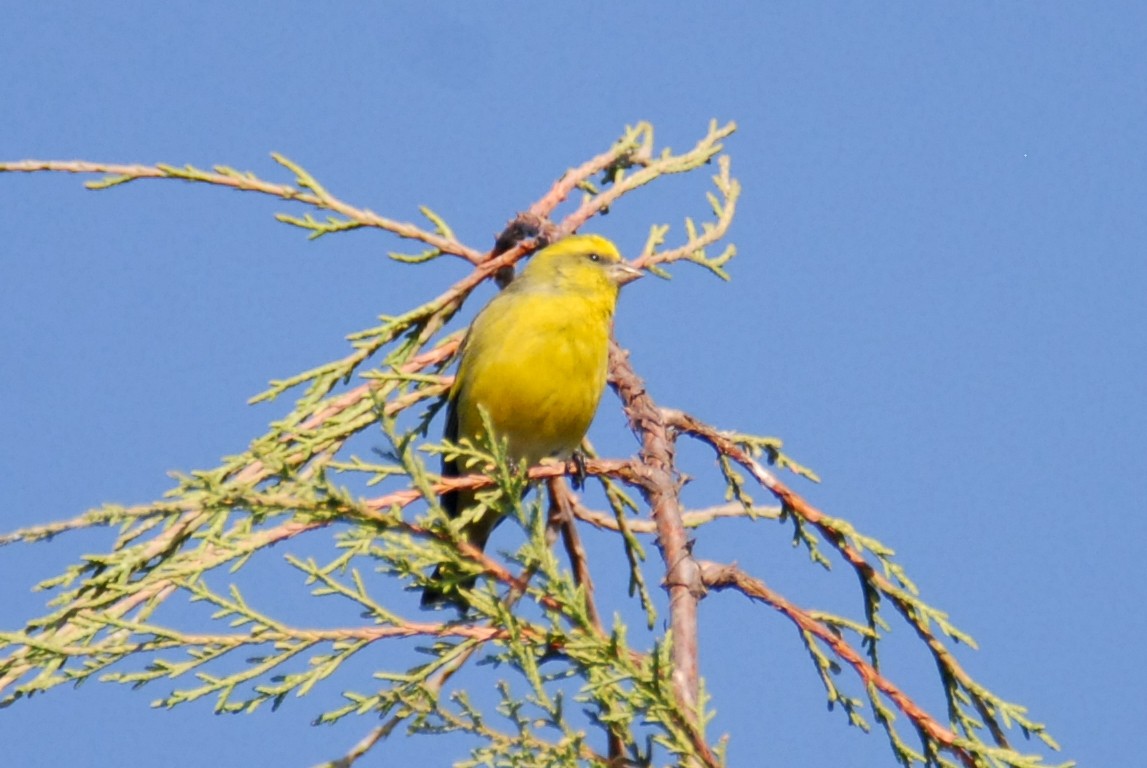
477 533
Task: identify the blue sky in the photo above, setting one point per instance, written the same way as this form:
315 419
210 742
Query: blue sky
938 302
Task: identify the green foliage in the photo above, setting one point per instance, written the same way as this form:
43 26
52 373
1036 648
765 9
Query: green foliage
572 688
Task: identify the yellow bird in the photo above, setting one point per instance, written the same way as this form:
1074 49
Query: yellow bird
535 360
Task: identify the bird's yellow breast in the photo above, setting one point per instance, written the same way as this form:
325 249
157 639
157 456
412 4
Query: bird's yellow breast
536 362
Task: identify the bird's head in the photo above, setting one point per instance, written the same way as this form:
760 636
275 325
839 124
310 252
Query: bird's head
588 263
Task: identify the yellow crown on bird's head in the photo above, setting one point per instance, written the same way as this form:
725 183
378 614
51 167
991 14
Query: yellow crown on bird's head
582 257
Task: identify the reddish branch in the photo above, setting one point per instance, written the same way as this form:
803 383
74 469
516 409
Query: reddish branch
570 180
810 514
720 576
256 471
659 485
245 182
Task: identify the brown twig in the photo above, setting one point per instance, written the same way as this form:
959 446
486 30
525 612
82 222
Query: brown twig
434 687
574 177
652 168
562 504
719 576
691 519
562 520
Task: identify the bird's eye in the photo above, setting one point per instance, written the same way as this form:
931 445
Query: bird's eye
595 257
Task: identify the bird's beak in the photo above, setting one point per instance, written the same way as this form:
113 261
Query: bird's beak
621 273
